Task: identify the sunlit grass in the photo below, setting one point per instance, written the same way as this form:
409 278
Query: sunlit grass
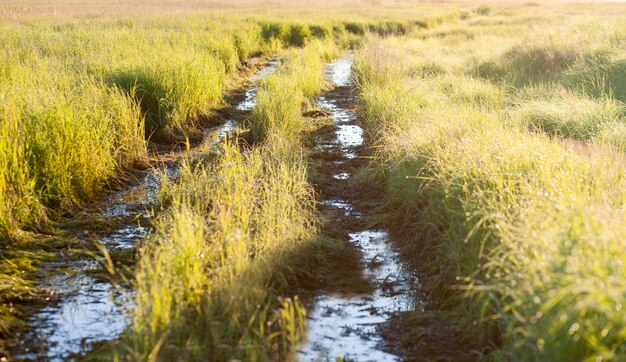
209 276
83 96
528 228
499 133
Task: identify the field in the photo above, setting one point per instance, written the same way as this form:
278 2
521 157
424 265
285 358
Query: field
343 180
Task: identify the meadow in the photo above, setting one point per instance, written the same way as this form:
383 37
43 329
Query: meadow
495 138
499 145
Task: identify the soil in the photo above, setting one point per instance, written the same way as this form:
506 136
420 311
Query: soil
346 323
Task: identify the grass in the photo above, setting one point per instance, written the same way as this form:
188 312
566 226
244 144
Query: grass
211 276
201 281
80 98
571 117
278 112
97 84
499 135
127 79
92 125
520 232
99 98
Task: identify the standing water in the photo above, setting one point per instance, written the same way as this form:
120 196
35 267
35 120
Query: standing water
88 310
346 325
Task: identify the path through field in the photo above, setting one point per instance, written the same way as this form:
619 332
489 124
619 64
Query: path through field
345 325
85 308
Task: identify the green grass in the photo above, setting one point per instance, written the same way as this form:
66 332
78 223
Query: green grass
73 137
173 98
521 233
571 116
171 73
211 275
75 107
201 285
282 94
499 134
104 87
85 90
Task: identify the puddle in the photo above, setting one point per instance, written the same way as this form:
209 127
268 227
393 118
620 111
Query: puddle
349 135
383 266
268 69
127 236
250 100
226 128
340 204
94 312
142 195
346 326
341 176
336 113
340 71
90 310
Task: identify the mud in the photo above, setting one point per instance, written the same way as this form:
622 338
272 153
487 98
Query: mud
346 324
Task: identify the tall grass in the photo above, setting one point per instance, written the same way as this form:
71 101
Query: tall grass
571 116
81 118
203 277
527 230
63 140
282 94
71 92
174 97
82 93
61 77
210 275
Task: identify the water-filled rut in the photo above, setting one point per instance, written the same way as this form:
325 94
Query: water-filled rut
345 324
85 308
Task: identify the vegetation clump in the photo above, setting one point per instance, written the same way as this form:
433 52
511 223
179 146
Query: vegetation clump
298 35
209 276
523 226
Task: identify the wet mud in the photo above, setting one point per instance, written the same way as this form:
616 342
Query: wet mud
346 324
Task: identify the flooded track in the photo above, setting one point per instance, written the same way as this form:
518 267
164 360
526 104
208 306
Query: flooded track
345 325
85 309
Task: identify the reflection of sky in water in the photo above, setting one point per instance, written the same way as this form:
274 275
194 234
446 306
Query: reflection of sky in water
250 99
349 135
141 196
341 176
89 311
337 114
95 313
340 71
343 205
227 128
92 311
346 326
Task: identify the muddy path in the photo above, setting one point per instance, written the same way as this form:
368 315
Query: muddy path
346 324
85 304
